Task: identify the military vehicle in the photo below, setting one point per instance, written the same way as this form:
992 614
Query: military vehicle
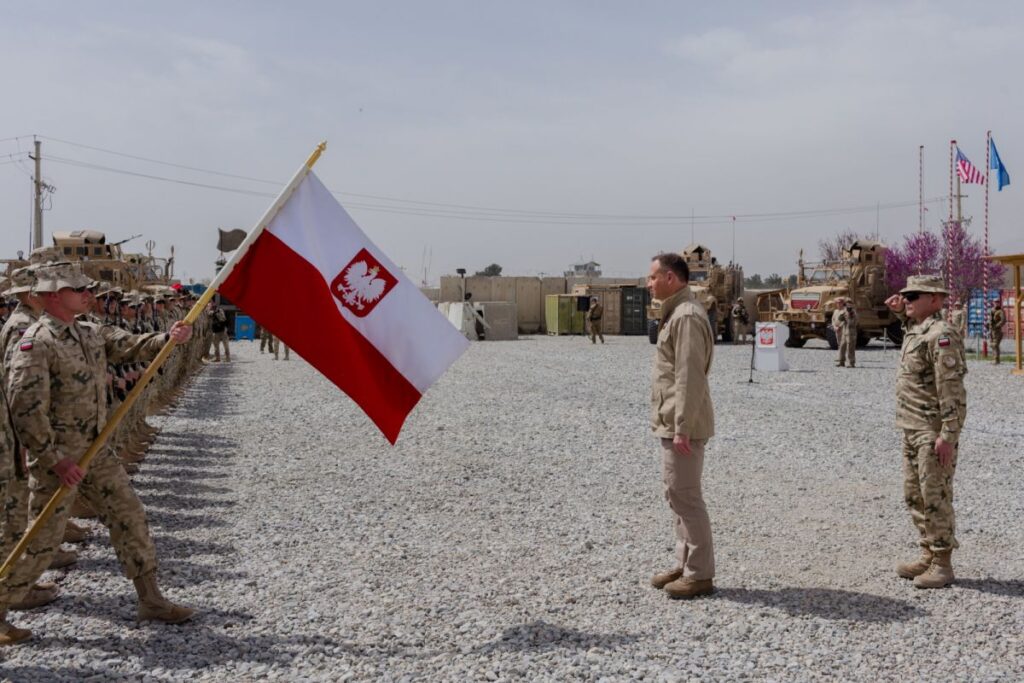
714 285
108 262
860 276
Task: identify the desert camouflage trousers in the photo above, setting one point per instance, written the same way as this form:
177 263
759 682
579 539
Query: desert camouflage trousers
14 497
928 490
109 492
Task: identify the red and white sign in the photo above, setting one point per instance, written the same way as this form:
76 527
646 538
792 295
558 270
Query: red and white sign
316 281
804 300
766 337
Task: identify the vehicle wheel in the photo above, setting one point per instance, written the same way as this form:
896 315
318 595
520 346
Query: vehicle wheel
895 332
652 331
862 340
796 342
830 337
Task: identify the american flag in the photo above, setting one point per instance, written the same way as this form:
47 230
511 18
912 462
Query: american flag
966 170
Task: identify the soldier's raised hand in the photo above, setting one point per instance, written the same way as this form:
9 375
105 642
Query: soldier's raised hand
895 303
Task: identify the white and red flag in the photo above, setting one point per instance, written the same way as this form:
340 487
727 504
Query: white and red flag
314 279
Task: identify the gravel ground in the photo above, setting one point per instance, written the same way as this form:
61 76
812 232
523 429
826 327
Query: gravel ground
512 532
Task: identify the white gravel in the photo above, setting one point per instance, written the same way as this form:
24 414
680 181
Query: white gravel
511 533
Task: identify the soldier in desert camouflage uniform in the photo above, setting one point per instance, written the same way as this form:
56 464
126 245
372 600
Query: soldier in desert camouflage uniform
931 406
57 393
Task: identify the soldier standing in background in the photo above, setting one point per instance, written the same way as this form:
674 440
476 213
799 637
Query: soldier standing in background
219 328
683 418
996 323
740 320
848 347
931 406
838 327
266 339
56 388
594 314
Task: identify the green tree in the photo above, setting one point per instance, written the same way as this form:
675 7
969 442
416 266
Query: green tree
493 270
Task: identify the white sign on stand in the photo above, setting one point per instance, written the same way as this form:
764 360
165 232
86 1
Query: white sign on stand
770 341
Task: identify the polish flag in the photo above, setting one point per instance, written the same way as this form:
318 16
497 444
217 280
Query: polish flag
316 281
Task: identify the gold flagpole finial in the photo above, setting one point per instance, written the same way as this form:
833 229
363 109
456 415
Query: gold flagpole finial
316 154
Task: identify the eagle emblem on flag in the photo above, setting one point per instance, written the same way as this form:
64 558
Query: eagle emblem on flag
362 284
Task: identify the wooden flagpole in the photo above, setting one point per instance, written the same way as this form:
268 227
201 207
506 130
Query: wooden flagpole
155 364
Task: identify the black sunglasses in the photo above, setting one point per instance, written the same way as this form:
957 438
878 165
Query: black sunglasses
912 296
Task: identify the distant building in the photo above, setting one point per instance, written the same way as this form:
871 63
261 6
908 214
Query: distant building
588 269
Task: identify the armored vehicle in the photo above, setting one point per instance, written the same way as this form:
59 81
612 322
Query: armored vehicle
108 262
714 285
860 276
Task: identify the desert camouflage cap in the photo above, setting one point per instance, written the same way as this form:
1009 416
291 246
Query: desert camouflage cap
53 277
21 281
929 284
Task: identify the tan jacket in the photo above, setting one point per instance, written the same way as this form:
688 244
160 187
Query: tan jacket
680 396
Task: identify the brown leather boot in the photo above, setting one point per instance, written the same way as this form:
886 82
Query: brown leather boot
155 607
74 533
63 558
81 509
660 579
11 634
36 597
940 572
909 570
686 588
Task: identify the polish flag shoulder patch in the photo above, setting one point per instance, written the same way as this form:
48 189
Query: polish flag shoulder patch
26 345
944 342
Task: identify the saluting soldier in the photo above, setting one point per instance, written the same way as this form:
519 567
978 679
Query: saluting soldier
931 406
58 404
996 323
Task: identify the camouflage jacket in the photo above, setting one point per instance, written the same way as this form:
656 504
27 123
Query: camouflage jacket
839 319
22 319
680 396
930 391
595 312
57 385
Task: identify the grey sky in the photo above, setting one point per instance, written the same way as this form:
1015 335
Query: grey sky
610 109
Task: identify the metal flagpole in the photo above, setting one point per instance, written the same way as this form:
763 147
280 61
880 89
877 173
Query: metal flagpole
985 262
154 365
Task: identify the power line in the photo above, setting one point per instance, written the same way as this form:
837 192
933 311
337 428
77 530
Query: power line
479 212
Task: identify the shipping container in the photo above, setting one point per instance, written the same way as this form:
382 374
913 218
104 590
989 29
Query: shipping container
635 301
563 314
610 298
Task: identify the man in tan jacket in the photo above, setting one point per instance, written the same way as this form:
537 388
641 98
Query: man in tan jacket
683 418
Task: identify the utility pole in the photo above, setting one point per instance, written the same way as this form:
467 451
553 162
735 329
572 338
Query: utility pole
37 224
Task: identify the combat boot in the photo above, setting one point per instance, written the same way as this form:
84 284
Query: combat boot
37 596
155 607
909 570
686 588
74 533
11 634
660 579
939 574
63 558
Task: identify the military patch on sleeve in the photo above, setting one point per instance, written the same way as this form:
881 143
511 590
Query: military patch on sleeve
944 342
26 345
949 362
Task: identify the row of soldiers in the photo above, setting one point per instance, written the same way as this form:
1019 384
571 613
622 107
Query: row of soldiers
72 351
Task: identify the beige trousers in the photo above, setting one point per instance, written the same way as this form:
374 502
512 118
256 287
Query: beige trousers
681 477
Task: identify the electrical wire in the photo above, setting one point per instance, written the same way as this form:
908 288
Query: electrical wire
469 211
